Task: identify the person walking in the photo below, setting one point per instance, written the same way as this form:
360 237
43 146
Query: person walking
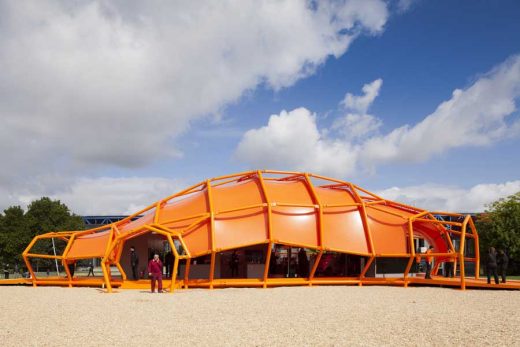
155 269
429 260
134 262
502 262
91 269
491 265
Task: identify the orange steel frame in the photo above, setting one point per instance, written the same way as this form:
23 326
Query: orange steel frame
112 254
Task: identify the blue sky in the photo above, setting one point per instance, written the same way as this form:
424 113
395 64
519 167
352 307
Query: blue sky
204 91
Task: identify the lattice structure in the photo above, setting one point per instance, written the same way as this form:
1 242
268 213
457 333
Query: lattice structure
271 207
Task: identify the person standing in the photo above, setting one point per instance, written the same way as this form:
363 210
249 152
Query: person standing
168 260
429 260
491 265
502 262
448 264
233 264
303 263
6 271
134 262
155 268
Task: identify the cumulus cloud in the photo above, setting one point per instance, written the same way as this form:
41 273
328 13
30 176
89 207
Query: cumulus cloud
87 85
479 115
108 195
450 198
361 103
292 140
357 123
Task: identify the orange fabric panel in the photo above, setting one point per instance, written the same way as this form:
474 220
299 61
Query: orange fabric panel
334 196
243 228
388 232
90 246
295 225
291 192
343 230
238 194
185 206
432 234
198 240
146 219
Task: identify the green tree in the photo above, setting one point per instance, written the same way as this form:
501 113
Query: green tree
14 234
499 227
44 215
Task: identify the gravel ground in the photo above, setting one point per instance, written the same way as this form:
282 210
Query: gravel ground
289 316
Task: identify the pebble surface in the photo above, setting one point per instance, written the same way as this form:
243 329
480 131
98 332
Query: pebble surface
285 316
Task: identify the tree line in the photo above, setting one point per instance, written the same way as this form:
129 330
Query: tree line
18 226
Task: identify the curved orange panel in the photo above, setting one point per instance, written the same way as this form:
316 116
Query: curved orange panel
89 246
289 192
388 232
240 228
198 240
343 230
334 196
184 206
134 225
296 225
236 195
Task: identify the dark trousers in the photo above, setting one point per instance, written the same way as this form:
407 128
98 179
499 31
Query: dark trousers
72 267
6 275
448 267
134 272
234 270
428 270
157 277
492 270
90 271
502 272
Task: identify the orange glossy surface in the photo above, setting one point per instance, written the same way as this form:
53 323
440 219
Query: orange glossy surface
247 209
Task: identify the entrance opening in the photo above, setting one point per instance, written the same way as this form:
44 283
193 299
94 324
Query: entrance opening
247 262
145 245
287 261
335 264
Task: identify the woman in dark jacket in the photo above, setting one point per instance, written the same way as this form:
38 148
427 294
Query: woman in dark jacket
491 265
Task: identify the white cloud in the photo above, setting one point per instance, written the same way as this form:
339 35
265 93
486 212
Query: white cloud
292 140
405 5
109 195
360 104
87 85
448 198
480 115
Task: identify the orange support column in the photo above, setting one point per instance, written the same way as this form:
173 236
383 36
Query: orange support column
461 254
212 232
27 262
477 248
269 228
317 201
366 227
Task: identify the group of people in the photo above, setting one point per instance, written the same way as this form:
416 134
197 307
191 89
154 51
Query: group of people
496 263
